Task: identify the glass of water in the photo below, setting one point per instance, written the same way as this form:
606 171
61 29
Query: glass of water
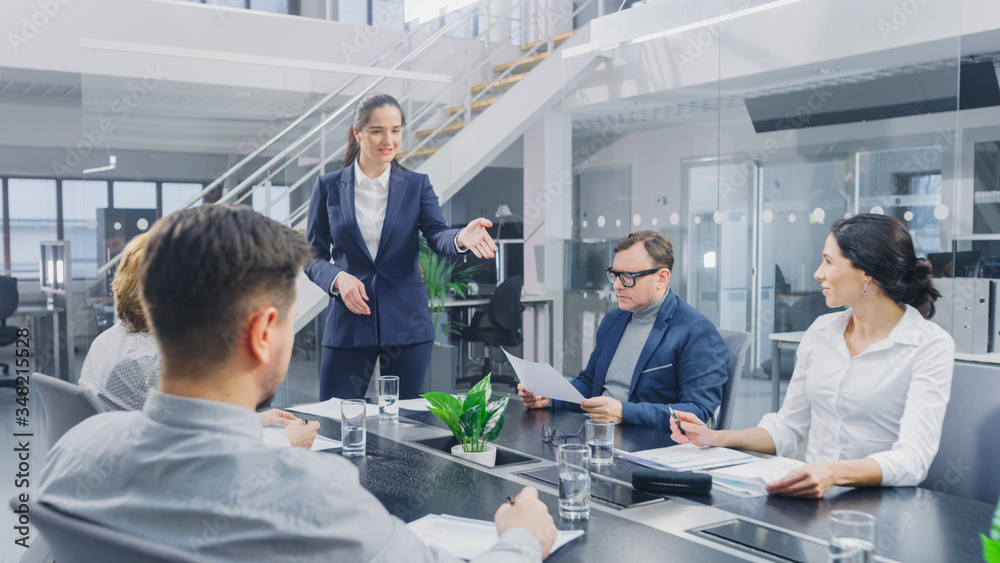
388 397
601 440
352 427
852 536
574 481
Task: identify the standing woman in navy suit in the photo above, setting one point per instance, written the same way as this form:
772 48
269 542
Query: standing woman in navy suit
363 227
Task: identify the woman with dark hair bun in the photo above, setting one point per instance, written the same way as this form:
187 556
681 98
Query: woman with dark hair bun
367 217
871 383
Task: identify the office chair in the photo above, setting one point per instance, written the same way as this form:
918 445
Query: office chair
74 539
499 325
65 404
9 300
968 458
738 343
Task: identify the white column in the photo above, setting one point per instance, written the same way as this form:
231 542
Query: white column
548 182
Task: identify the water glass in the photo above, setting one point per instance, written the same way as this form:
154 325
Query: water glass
852 536
574 481
352 427
601 440
388 397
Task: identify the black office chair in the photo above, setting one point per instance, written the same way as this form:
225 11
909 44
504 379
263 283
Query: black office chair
499 325
9 299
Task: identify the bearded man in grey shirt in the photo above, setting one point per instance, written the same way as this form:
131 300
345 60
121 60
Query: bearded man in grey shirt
189 470
653 352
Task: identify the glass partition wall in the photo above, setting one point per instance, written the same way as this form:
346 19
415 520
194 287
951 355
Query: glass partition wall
751 128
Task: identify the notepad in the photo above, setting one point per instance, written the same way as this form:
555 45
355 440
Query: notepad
467 538
319 444
687 457
330 409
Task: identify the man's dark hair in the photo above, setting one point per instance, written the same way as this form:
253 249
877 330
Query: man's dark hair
207 268
657 246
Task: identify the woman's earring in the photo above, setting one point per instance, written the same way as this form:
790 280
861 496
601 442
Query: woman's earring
865 290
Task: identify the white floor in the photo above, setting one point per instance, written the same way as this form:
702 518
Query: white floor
302 385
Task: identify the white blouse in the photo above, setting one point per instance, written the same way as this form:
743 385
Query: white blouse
887 403
371 197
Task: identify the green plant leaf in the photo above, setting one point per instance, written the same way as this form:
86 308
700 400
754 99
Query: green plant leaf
483 387
452 420
494 421
472 426
445 401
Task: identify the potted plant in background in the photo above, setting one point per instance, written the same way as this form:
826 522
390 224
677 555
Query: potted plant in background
441 277
475 422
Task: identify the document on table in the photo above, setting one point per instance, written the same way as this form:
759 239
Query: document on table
543 380
466 538
319 444
330 409
750 479
687 457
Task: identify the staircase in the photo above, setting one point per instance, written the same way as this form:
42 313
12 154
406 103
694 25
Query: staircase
451 142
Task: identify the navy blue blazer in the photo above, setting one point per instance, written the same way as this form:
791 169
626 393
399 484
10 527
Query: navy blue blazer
396 295
683 365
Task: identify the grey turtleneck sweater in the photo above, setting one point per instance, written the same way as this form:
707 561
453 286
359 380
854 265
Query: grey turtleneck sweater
619 377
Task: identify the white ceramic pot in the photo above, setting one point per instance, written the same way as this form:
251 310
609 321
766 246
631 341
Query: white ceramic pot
487 457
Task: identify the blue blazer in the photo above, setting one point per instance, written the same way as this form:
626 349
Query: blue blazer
396 295
683 365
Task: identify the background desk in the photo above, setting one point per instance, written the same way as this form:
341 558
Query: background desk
533 301
411 481
40 360
780 341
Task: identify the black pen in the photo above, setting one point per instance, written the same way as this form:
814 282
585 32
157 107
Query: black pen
677 420
510 500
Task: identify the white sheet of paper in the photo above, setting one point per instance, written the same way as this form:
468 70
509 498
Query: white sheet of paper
330 409
543 380
688 457
751 478
418 404
319 444
466 538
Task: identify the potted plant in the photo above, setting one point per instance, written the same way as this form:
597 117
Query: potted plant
441 277
474 422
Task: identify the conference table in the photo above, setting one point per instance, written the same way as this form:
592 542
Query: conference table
406 468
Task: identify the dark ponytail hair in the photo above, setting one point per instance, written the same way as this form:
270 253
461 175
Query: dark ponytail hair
362 115
881 247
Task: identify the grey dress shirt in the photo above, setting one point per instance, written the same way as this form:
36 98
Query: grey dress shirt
194 474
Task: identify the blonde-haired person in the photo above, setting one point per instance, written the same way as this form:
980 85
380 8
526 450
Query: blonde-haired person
123 363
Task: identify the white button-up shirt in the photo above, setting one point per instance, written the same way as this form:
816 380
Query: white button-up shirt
887 403
371 196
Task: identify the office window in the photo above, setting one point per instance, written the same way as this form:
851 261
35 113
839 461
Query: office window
135 195
353 12
32 220
274 6
388 14
81 200
177 194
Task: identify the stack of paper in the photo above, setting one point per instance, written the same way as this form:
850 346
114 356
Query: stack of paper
750 479
687 457
466 538
543 380
330 409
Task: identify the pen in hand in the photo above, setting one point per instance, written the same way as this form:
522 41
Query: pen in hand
510 500
677 420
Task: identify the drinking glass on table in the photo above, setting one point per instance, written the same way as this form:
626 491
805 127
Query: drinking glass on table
352 427
601 440
574 481
388 397
852 536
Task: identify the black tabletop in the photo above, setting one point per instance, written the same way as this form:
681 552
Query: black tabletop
412 483
913 524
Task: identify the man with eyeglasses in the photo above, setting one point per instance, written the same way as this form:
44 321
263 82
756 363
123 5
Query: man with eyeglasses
652 353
